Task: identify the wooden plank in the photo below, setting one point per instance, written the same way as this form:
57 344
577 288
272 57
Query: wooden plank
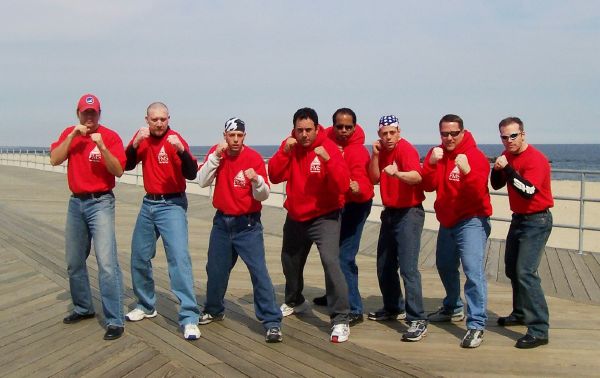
546 276
585 275
593 265
573 279
558 275
145 369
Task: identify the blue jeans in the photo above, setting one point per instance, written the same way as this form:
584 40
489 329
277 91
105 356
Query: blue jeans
166 219
464 243
525 244
230 237
354 216
94 220
398 247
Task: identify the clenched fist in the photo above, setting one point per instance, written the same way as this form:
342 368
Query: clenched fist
289 144
175 142
436 155
376 147
221 147
500 163
97 138
462 162
142 134
321 152
391 169
251 175
354 187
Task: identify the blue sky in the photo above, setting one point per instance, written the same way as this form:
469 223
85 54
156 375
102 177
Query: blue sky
262 60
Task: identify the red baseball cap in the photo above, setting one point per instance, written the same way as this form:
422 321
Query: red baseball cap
88 101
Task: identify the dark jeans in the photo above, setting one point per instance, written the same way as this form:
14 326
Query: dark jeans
298 238
354 216
398 247
525 245
230 237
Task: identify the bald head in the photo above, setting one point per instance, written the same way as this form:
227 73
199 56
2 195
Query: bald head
157 106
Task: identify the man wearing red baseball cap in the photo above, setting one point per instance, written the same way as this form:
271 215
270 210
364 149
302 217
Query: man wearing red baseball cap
96 155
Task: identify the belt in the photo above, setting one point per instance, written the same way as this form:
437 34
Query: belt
160 197
85 196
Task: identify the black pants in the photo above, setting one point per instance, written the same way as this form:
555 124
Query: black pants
298 238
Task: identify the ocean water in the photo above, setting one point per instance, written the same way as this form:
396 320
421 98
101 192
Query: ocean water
581 157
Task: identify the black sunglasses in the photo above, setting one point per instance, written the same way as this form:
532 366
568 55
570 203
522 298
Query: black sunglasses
512 136
453 134
347 127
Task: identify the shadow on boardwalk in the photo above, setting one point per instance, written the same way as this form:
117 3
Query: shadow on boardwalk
34 297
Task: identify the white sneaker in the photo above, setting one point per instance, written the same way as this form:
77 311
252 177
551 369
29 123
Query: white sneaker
288 310
340 333
191 332
138 314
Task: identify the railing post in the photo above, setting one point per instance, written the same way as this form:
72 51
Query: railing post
581 211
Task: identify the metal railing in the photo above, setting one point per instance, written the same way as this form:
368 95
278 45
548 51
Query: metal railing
39 159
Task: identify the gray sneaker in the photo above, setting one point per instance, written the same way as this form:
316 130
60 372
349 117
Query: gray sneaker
472 339
274 335
416 331
442 315
206 318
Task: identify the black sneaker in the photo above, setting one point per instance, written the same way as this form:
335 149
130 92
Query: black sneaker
354 319
472 339
320 301
206 318
416 331
381 315
274 335
510 320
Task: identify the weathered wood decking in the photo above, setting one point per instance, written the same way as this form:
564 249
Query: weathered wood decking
34 297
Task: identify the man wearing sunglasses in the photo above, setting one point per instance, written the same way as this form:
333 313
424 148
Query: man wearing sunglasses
396 167
458 171
526 173
350 139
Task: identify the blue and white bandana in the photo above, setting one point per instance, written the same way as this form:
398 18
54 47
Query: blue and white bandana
388 120
235 124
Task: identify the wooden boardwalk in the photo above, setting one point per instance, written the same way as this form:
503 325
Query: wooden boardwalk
34 297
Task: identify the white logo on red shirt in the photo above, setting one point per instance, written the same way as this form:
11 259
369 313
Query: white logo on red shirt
239 181
315 166
95 155
454 175
163 158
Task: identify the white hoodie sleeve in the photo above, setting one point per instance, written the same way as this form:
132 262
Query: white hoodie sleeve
260 189
206 174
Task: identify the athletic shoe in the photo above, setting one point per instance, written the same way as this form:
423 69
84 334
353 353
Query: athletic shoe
339 333
289 310
442 315
354 319
381 315
138 314
274 335
206 318
416 331
320 301
472 339
191 332
510 320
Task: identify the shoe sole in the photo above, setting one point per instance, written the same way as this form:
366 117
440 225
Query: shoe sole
400 316
295 310
153 315
338 339
216 319
412 339
278 340
191 337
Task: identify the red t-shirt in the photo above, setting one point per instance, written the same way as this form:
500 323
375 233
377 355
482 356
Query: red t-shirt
233 192
87 171
395 192
533 166
161 165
